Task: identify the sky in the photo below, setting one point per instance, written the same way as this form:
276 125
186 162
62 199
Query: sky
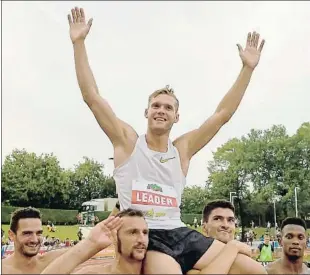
135 48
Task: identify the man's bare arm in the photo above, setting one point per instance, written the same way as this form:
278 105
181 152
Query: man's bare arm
50 256
117 131
190 143
100 237
75 256
222 264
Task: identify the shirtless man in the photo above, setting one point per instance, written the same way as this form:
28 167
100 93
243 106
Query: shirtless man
219 223
130 242
293 241
219 220
26 233
151 170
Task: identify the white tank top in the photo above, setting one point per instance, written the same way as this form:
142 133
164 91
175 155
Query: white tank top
152 182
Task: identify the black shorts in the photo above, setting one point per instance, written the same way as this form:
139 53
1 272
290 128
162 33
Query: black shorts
183 244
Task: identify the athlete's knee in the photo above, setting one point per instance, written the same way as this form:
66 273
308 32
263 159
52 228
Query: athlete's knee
160 263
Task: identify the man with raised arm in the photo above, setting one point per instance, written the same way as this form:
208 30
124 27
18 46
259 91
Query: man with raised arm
151 170
129 233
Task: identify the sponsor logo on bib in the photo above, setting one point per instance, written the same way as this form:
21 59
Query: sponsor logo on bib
148 198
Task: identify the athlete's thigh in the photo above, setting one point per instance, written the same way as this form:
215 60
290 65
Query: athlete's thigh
160 263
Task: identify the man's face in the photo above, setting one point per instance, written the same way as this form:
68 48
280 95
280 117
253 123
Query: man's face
221 225
294 241
28 237
133 238
162 113
266 239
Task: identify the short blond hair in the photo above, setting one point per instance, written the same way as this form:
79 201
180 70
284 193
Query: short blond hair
164 91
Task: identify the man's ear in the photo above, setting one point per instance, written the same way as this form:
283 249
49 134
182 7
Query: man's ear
205 229
146 113
177 117
11 235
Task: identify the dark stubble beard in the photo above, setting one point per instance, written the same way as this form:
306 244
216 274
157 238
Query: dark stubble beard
119 249
293 258
29 255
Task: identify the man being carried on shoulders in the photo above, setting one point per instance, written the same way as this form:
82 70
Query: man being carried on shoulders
151 170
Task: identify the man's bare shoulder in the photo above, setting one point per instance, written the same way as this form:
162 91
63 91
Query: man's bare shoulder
94 269
8 268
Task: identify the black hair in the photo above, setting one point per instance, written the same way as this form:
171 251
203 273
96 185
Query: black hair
23 213
295 221
216 204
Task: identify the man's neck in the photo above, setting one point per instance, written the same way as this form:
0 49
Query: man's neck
124 266
20 260
295 266
156 142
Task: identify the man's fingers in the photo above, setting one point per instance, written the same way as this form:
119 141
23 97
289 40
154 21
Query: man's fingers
261 45
239 48
248 41
78 15
69 19
90 22
114 223
253 37
256 40
114 235
82 15
73 15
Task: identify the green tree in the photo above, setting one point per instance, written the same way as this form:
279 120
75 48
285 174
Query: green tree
194 199
28 179
88 181
261 166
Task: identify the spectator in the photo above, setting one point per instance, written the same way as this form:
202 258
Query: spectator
266 250
80 234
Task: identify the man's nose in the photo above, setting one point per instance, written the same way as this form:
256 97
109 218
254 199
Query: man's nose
295 241
34 238
140 237
224 225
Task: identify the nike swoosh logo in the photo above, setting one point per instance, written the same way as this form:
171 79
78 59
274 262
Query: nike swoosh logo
162 160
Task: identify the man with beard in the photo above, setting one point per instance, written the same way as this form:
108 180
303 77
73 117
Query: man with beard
293 241
130 241
26 233
219 220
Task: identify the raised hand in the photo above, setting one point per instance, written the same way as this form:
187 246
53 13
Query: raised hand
102 234
251 54
78 27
